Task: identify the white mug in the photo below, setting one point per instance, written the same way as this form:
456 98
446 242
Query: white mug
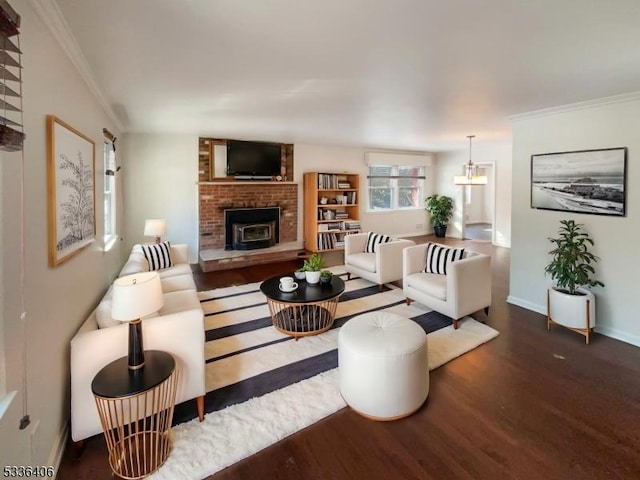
286 283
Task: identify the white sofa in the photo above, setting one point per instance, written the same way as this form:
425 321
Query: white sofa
465 289
383 266
178 328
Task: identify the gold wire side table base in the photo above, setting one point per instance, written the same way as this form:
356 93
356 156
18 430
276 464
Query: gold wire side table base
303 319
137 427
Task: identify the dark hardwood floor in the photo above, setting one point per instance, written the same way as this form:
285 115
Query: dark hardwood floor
529 404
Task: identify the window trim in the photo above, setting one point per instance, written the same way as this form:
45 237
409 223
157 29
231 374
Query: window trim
394 177
110 180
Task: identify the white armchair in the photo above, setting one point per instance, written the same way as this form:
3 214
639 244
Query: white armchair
465 289
383 266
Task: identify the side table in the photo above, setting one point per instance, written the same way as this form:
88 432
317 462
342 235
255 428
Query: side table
136 410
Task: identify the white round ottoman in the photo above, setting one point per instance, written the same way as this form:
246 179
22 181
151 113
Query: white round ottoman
383 368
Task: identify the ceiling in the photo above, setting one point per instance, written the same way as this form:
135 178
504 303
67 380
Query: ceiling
405 74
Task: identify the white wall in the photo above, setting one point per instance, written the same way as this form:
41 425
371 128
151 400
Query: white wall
310 158
450 164
56 300
607 125
161 175
161 181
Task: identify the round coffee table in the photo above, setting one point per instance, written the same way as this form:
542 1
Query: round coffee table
308 310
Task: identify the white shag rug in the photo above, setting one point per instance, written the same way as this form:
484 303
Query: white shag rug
226 436
238 431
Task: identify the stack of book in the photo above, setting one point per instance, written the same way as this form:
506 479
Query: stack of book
352 225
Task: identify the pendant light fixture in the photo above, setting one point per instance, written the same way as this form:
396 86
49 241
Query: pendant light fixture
471 176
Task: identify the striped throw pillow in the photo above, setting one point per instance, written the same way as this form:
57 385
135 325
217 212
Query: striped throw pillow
439 257
375 239
158 255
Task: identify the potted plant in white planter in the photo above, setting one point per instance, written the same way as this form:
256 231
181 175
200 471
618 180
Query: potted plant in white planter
312 267
300 273
441 209
569 303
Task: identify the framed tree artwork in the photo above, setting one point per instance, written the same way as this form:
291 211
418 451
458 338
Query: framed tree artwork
71 190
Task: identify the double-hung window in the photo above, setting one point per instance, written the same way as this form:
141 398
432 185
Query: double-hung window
109 192
395 187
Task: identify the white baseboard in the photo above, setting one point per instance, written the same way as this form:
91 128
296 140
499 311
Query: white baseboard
618 335
57 450
412 234
534 307
601 329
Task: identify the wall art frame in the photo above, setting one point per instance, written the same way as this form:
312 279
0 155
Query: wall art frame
70 190
582 181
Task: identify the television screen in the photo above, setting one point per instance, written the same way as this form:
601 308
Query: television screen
253 158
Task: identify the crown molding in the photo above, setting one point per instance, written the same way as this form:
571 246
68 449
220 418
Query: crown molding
599 102
52 17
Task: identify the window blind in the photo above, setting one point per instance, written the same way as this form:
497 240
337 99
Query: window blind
11 123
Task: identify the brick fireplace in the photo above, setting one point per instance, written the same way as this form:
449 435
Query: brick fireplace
216 197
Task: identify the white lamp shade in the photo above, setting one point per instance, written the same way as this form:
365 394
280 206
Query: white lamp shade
472 180
135 296
155 227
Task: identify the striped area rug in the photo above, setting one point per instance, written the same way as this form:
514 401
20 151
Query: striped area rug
264 386
246 357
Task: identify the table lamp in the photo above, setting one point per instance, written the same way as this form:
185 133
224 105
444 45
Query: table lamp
135 296
155 227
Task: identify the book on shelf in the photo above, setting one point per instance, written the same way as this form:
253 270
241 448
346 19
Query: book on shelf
327 241
351 225
327 181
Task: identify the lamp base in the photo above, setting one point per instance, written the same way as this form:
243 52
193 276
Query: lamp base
136 350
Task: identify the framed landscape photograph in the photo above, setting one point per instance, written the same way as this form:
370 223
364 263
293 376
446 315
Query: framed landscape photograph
71 190
585 181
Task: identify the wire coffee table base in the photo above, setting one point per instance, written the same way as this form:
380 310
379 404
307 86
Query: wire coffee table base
303 319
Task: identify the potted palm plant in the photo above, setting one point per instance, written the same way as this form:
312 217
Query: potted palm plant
441 209
569 302
312 267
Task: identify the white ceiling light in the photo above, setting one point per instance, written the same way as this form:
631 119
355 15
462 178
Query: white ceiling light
471 176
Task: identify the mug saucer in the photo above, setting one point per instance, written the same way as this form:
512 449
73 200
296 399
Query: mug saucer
292 289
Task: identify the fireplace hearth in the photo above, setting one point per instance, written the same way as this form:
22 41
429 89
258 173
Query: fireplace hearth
251 228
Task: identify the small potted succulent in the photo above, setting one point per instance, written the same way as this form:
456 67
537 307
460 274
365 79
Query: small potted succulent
325 276
312 267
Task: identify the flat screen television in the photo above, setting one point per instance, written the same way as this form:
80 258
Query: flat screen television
256 159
